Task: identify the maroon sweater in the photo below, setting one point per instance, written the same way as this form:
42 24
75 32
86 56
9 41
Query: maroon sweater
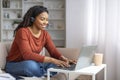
27 47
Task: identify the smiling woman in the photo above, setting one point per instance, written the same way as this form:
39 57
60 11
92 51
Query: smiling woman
36 16
30 38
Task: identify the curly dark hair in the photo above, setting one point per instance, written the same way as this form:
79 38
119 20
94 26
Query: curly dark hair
32 12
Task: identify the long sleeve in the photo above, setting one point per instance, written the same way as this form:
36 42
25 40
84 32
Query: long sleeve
24 47
51 47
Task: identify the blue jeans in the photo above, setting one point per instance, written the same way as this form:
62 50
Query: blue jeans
28 68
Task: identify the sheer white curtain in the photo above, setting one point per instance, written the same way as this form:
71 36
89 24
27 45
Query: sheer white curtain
103 29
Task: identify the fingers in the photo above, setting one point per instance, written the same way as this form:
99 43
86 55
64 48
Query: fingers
64 58
68 61
72 61
63 64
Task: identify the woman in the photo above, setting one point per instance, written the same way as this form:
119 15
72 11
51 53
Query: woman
30 38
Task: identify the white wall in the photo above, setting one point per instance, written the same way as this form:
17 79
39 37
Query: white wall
80 23
75 22
111 35
118 51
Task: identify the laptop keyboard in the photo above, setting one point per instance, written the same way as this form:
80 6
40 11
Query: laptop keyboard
72 67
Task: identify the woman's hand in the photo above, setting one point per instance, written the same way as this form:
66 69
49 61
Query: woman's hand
56 61
69 61
60 62
72 61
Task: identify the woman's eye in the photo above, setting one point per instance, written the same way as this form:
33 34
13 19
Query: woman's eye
42 18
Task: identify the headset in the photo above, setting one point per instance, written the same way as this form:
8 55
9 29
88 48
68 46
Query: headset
32 19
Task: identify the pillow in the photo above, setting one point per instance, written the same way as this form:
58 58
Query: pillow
3 54
4 49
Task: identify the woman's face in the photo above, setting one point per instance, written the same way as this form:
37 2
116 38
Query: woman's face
41 21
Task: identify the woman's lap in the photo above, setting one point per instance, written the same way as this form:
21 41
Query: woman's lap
28 68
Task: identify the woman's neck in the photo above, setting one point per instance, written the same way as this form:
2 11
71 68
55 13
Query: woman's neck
35 30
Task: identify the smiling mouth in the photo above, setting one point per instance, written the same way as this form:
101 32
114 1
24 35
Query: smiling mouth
43 26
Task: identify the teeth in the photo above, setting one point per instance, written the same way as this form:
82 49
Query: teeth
44 26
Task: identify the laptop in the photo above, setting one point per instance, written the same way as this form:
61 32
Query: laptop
84 60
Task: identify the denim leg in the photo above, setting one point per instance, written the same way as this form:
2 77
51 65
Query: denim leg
47 66
27 68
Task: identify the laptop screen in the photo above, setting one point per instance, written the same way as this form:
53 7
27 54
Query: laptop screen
86 56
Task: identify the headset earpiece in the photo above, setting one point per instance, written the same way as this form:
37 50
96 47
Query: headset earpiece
32 19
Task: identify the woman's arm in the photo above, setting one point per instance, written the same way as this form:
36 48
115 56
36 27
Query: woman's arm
54 52
49 45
